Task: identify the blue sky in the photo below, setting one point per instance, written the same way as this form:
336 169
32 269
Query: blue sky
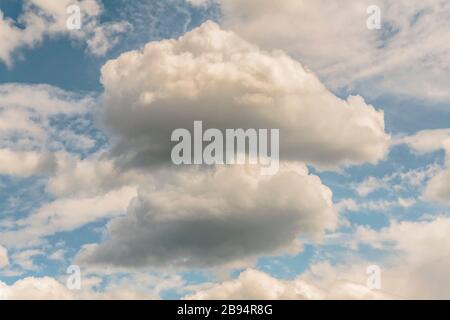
376 203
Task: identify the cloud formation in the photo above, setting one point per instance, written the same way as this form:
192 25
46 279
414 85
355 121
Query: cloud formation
257 285
333 39
438 188
48 18
203 219
213 75
4 260
414 267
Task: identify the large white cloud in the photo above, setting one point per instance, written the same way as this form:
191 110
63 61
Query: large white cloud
333 39
217 217
213 75
43 18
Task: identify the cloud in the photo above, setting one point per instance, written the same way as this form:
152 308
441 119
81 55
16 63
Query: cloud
419 263
350 205
137 286
42 18
39 144
35 289
403 180
199 2
4 260
257 285
66 214
200 218
333 39
28 124
25 164
427 141
412 260
438 188
215 76
92 176
25 259
42 98
368 186
26 114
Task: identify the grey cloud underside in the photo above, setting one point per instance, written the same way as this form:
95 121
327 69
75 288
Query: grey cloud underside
212 218
202 242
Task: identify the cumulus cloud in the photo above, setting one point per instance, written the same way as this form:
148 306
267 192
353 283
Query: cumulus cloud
42 18
257 285
418 265
414 266
215 76
333 39
35 289
137 286
200 218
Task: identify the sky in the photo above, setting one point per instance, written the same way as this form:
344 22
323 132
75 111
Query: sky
88 192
